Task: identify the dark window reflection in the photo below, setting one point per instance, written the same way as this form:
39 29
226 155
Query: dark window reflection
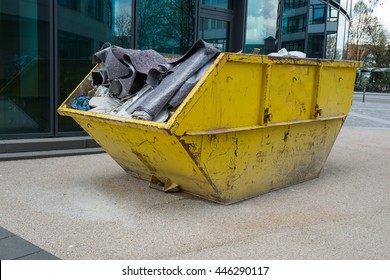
294 24
166 26
315 45
71 4
100 21
224 4
24 67
317 14
294 4
95 9
297 45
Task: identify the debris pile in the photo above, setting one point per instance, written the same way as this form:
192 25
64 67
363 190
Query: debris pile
142 84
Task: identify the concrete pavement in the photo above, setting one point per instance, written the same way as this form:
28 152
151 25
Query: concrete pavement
87 207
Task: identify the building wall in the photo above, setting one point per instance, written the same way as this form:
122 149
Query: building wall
47 45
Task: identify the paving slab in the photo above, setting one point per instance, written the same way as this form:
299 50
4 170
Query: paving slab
13 247
5 233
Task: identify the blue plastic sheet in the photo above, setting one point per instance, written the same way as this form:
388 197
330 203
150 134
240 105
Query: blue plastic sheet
81 103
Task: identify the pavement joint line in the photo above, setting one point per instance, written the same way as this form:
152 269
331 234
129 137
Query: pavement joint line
354 114
7 237
40 250
33 249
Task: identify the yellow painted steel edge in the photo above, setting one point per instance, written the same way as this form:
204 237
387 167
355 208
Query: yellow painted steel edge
119 121
247 128
65 110
250 58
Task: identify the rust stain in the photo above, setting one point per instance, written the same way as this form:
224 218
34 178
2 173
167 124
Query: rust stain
286 134
144 159
236 148
260 156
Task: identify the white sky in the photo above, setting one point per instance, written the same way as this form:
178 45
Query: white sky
383 13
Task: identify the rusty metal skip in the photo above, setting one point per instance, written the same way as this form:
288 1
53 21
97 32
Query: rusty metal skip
251 124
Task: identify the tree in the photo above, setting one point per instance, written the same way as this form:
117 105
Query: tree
378 48
367 37
123 30
166 25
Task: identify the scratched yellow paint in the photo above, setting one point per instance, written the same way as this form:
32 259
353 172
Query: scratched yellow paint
252 124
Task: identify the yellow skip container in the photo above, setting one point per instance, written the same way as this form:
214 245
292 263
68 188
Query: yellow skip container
252 124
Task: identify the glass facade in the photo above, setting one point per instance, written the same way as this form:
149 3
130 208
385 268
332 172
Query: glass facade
317 27
25 102
46 45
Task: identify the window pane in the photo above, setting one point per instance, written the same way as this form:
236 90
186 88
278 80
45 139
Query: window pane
83 27
24 67
297 45
261 26
215 32
224 4
315 45
332 14
317 14
294 4
166 26
294 24
346 37
340 37
330 46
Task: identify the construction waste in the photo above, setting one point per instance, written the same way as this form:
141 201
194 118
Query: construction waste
142 84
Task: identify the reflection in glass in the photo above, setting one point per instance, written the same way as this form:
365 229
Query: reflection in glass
343 4
317 14
223 4
294 4
261 26
24 67
215 32
100 21
340 37
332 14
71 4
330 46
294 24
346 37
167 26
296 45
315 45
